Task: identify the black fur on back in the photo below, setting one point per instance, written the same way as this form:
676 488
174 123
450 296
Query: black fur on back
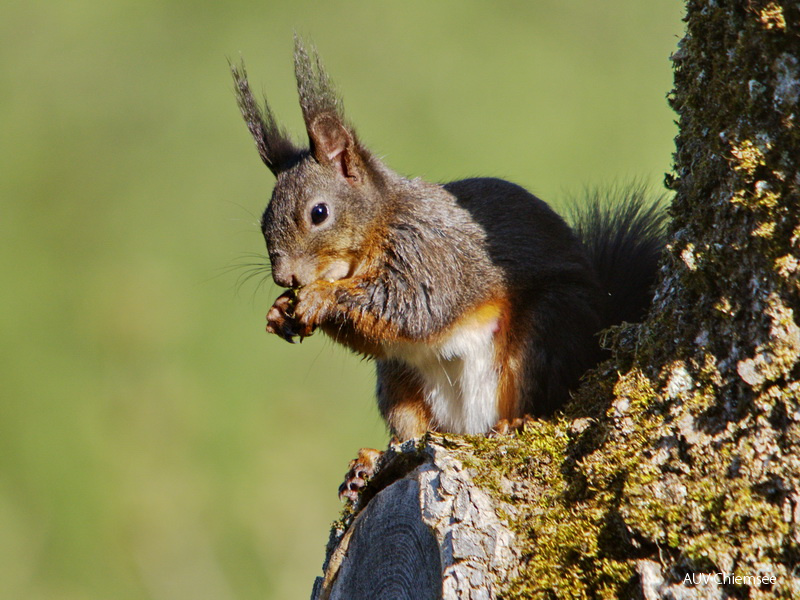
623 231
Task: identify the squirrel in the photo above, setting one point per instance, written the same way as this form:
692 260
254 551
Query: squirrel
478 303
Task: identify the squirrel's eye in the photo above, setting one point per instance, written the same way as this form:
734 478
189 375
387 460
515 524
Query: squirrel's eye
319 212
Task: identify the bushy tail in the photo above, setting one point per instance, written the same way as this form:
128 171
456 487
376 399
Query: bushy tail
623 232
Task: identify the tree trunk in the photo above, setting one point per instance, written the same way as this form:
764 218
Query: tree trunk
675 471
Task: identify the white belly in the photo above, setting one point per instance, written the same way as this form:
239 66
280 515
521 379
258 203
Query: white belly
459 377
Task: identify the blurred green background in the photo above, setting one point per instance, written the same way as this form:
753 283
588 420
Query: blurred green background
154 441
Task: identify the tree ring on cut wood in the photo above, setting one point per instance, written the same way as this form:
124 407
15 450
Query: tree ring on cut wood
391 559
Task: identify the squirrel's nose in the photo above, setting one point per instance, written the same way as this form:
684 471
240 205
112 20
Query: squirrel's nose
293 272
287 280
284 274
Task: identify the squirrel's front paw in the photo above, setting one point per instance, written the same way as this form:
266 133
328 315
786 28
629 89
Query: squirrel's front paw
297 313
313 306
281 319
362 467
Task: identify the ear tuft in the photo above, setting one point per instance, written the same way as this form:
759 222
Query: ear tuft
317 95
272 141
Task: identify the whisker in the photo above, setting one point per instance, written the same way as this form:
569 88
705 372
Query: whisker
246 210
248 266
265 279
249 275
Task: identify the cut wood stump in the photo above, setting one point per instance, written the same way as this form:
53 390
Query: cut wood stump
422 530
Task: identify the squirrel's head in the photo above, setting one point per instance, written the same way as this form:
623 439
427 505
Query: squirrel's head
326 196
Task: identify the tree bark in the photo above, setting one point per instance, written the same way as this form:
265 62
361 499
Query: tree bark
678 459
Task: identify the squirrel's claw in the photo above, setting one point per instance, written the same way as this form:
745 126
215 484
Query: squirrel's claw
282 332
285 334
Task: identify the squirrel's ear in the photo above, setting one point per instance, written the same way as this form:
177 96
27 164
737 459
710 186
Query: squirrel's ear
332 140
274 145
332 143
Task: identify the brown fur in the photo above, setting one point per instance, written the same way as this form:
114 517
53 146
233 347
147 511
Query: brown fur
401 402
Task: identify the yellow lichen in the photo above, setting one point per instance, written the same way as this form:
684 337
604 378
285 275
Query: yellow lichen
787 266
776 356
748 157
768 200
761 198
724 306
764 230
771 16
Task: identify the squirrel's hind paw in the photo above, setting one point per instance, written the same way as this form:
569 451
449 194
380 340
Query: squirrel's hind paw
361 468
509 427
